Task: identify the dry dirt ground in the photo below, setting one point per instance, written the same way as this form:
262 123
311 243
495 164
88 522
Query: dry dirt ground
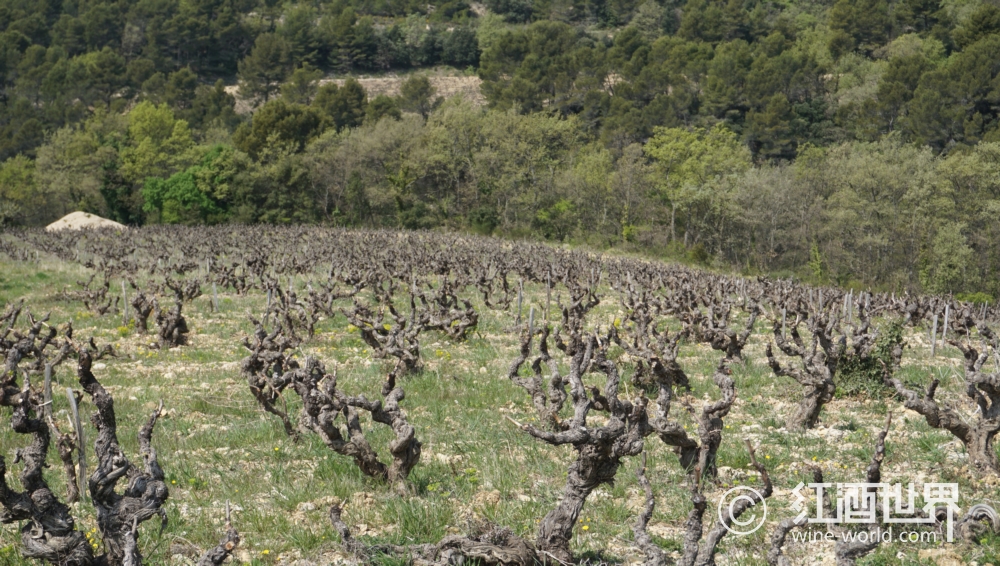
446 85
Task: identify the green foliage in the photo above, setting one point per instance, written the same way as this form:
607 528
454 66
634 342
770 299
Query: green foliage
120 200
302 85
863 377
265 68
982 22
947 263
158 142
382 106
460 48
864 24
342 107
760 137
17 189
693 166
949 105
557 221
198 195
523 68
514 11
212 106
816 264
416 95
278 126
484 220
978 298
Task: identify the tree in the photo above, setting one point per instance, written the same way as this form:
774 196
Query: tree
342 107
106 70
923 16
212 105
352 41
523 69
982 22
878 199
491 27
301 86
865 22
714 21
102 25
692 166
726 81
382 106
770 132
68 33
299 29
630 187
201 194
158 143
460 48
898 84
514 11
649 20
948 261
958 103
416 95
262 72
68 170
18 190
122 202
278 128
181 88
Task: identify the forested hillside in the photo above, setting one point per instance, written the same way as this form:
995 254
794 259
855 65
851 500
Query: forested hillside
853 142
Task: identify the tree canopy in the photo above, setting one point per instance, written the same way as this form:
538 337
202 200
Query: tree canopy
848 141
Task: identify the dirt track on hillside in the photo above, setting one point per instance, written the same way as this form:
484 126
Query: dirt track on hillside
446 86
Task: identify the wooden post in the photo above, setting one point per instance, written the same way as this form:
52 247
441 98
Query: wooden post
81 445
215 298
267 311
48 391
784 312
125 302
944 331
548 293
531 321
934 336
520 298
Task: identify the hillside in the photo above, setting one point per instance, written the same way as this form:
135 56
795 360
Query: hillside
848 142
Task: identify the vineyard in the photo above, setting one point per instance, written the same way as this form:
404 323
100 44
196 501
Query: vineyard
263 395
